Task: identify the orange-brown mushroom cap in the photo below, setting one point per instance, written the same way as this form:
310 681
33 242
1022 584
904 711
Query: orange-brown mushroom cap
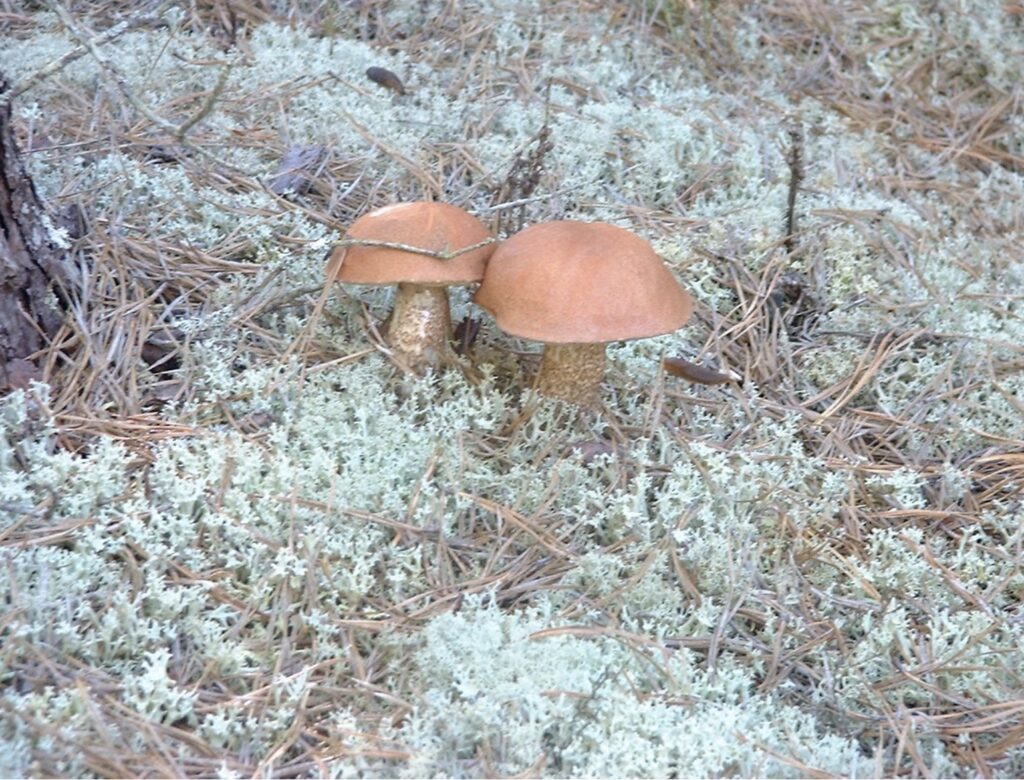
436 227
581 283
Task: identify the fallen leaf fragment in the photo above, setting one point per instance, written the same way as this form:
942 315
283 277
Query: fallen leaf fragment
695 373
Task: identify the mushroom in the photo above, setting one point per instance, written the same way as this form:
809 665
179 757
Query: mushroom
423 247
576 286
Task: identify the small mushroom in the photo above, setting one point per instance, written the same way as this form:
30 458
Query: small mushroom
576 286
421 247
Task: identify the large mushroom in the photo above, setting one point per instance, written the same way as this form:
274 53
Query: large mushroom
422 247
576 286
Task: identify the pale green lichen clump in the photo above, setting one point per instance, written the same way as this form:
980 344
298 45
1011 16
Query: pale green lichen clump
534 693
799 573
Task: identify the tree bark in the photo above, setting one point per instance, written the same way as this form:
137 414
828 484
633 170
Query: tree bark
31 264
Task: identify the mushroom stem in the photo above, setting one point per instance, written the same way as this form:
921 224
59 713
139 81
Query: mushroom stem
571 372
419 325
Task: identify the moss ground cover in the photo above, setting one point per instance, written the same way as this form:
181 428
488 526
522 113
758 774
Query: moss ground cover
236 540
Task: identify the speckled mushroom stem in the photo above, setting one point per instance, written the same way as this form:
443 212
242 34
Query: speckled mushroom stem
571 372
419 325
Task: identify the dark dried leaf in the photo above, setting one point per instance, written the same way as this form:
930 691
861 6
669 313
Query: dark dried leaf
694 373
465 334
297 170
162 153
163 392
386 79
255 421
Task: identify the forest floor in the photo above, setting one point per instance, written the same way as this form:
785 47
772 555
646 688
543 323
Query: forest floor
237 540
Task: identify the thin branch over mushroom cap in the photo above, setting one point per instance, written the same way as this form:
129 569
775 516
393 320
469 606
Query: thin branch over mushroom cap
394 245
581 283
435 227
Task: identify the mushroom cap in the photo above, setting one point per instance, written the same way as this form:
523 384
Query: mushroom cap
436 227
580 283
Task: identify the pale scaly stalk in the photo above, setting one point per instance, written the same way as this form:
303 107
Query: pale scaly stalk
571 372
419 326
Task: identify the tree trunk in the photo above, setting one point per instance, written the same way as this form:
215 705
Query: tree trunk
31 263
